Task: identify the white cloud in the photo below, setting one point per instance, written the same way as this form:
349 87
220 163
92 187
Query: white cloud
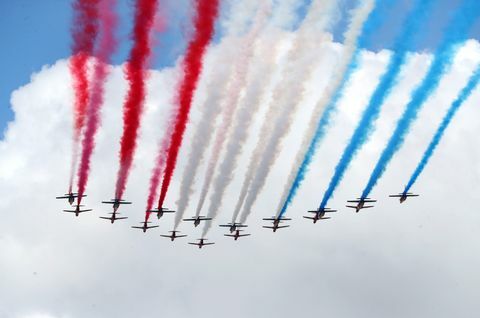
416 260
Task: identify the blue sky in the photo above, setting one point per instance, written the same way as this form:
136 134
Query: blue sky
36 33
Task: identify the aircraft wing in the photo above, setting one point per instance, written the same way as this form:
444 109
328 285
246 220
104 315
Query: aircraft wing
191 243
202 218
269 219
240 235
413 195
351 206
396 195
230 235
63 197
367 207
79 211
272 227
189 219
115 202
309 217
152 226
208 243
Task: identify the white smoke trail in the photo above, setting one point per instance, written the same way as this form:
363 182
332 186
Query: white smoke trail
288 95
350 45
204 132
216 92
238 81
250 106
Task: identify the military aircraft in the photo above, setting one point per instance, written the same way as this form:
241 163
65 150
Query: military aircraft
70 196
160 212
197 219
233 226
113 218
361 204
276 223
236 235
403 196
201 243
173 236
116 203
319 214
77 210
144 227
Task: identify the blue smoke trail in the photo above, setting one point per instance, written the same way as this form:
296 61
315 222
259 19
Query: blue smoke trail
462 97
388 80
374 19
456 33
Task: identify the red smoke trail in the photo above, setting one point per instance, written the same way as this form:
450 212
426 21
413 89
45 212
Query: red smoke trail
135 72
157 173
84 32
204 23
106 47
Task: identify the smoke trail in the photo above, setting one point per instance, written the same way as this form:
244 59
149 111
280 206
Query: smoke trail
84 32
135 72
157 173
457 30
106 47
387 82
204 22
459 101
289 94
249 107
266 125
237 83
204 132
356 35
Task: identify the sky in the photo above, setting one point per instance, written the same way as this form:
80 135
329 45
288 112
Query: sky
37 33
418 259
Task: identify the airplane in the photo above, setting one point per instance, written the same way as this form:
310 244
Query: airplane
70 196
403 196
319 214
113 218
173 236
116 203
236 235
144 227
276 223
160 212
233 226
361 204
201 243
197 219
77 210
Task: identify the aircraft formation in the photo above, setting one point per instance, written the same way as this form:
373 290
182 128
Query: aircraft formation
234 97
235 229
